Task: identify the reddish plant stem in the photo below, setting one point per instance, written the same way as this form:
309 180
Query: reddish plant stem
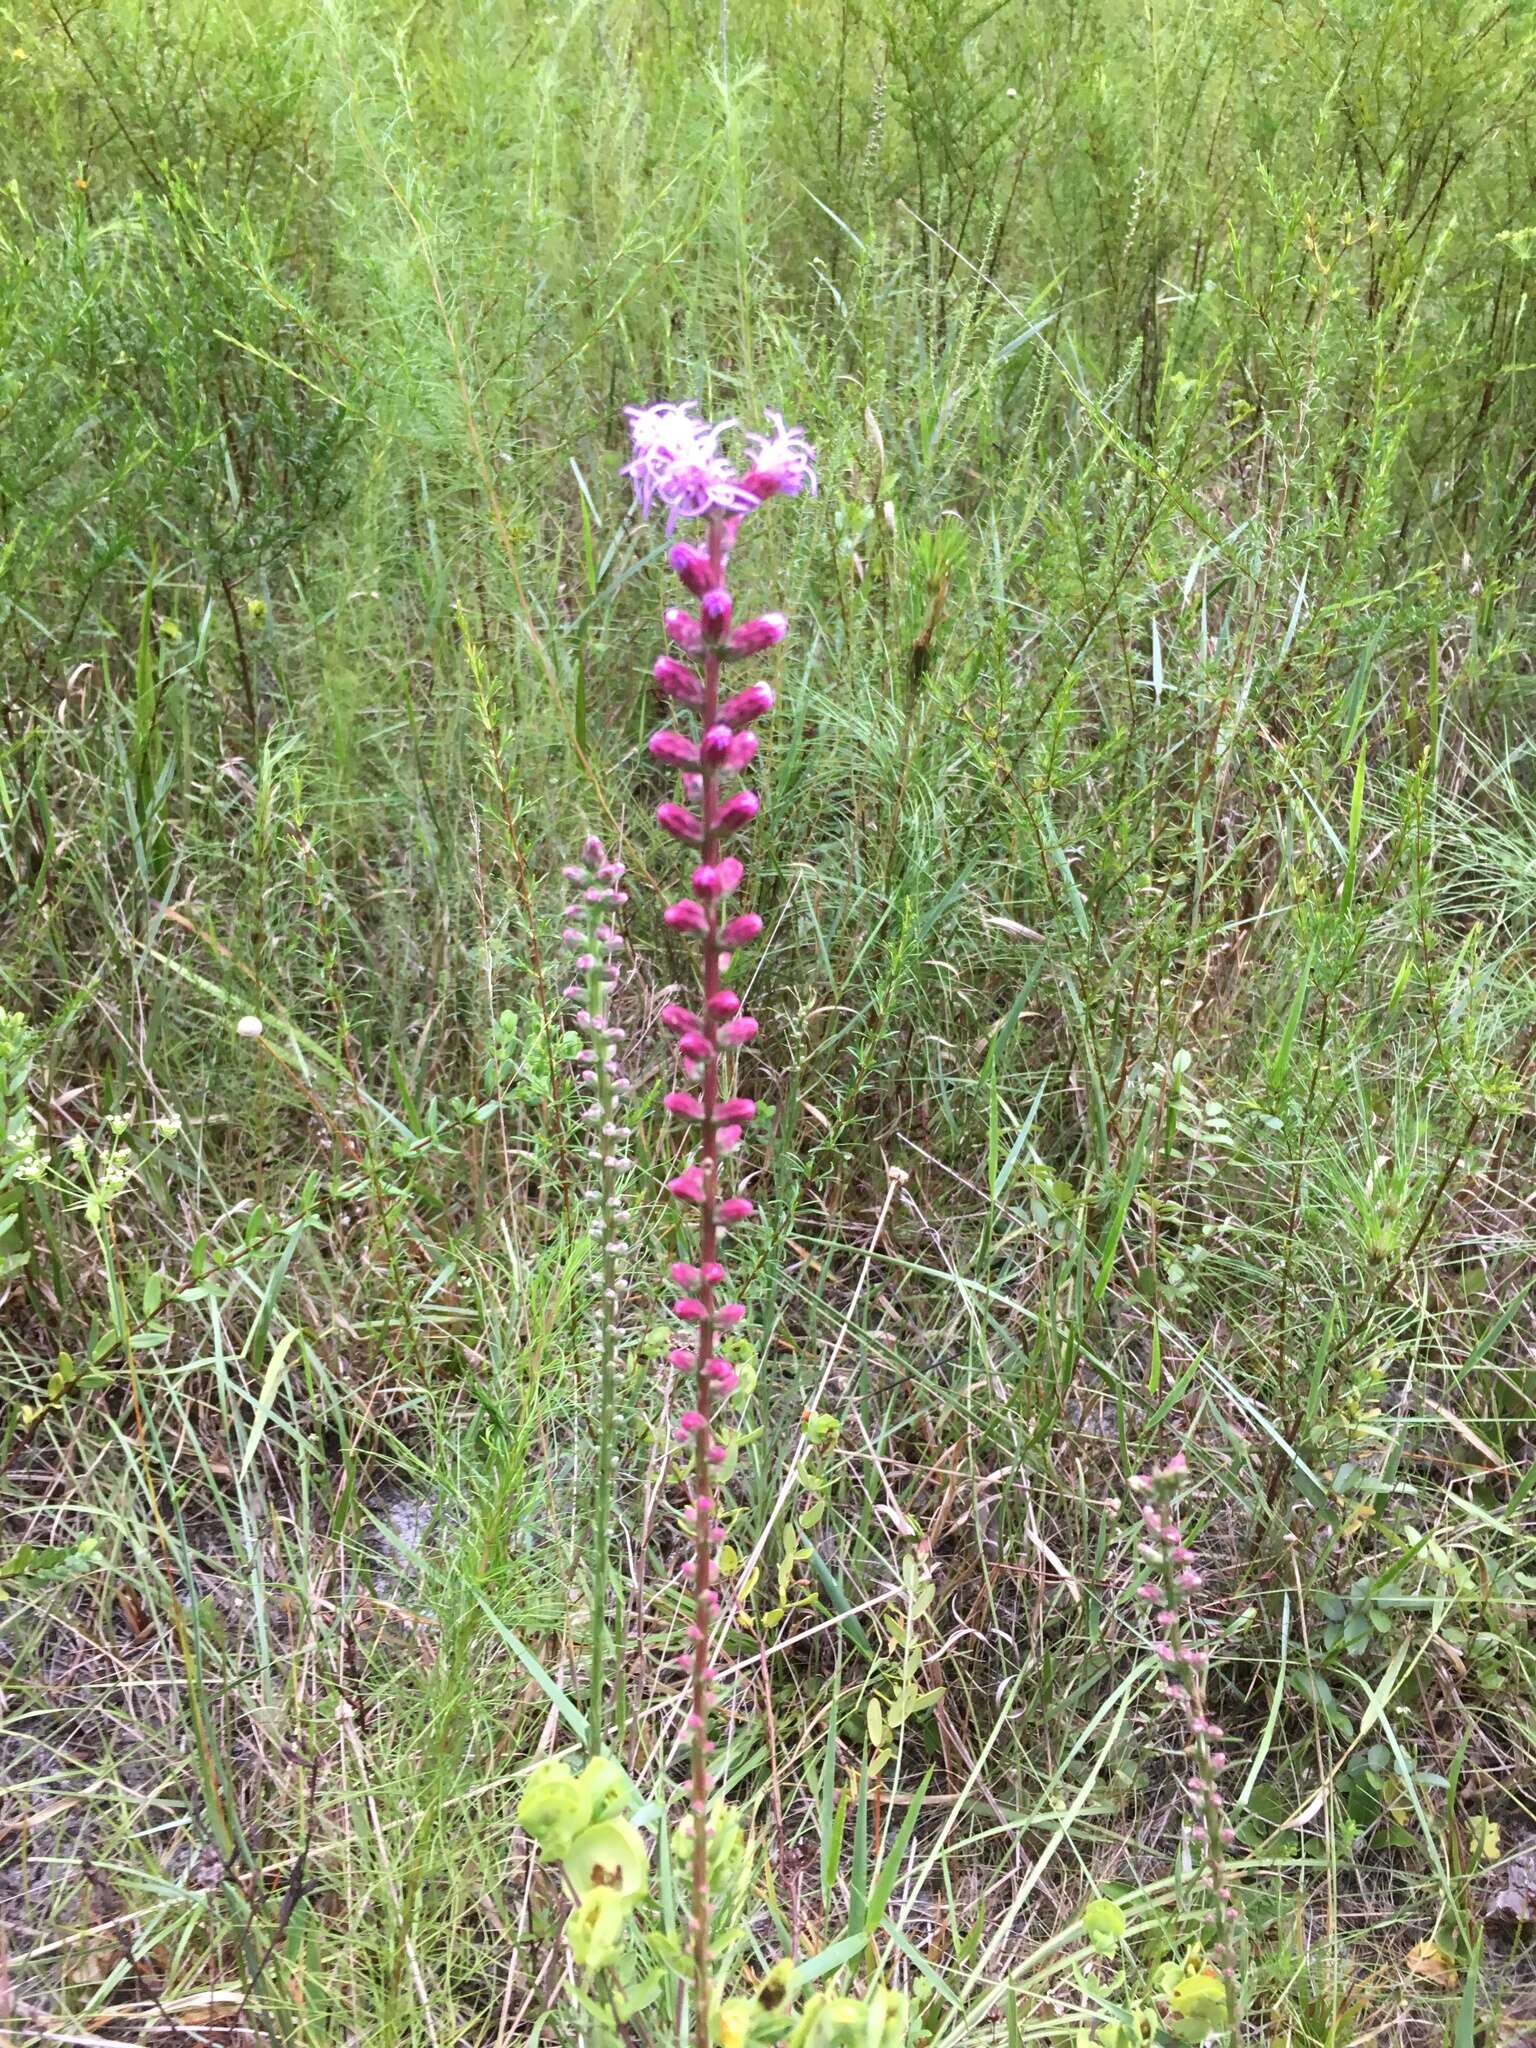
704 1502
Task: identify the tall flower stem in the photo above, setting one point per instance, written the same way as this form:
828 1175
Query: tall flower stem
678 463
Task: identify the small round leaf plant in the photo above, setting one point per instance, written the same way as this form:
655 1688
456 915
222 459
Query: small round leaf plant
586 1825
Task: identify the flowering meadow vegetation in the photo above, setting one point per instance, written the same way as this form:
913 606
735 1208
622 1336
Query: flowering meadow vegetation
767 1023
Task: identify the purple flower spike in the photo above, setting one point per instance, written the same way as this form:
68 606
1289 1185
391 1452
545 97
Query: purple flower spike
677 463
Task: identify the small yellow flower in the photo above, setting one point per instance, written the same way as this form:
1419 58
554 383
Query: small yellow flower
732 2019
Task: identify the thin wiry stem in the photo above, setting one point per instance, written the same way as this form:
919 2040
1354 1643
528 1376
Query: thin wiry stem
595 943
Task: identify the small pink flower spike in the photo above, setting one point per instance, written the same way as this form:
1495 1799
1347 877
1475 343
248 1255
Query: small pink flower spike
1168 1594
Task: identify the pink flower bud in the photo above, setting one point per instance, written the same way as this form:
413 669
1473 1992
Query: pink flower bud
737 1109
680 1359
690 1106
714 1273
751 703
684 1274
730 1312
736 811
681 823
676 1018
673 680
711 883
735 1209
739 1031
756 634
740 753
689 1310
691 567
725 1003
693 1045
667 745
727 1138
715 611
684 630
689 1185
685 917
742 930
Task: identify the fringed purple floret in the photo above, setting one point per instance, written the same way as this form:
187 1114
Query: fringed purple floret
677 463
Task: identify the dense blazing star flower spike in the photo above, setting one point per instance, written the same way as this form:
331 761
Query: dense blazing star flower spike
1171 1588
677 463
595 945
